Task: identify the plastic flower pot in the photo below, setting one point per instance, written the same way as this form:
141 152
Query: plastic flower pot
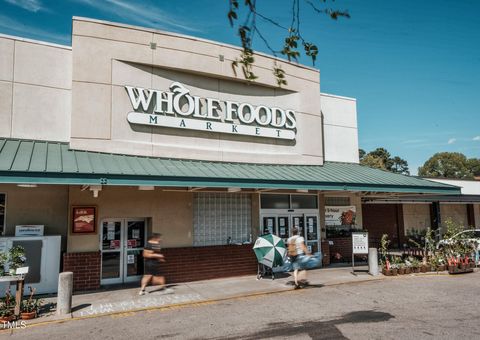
387 272
28 315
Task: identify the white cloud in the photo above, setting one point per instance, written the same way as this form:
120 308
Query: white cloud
29 5
15 27
452 140
476 138
140 14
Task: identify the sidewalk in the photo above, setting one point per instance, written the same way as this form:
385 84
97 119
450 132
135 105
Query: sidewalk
128 300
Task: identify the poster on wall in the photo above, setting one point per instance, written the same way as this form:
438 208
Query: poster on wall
340 215
83 220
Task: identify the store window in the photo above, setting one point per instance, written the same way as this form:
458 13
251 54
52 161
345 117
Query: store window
276 201
220 219
340 217
2 213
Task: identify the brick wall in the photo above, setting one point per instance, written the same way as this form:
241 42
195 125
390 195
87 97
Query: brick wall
203 263
85 268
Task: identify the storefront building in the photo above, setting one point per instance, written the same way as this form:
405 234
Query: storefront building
133 131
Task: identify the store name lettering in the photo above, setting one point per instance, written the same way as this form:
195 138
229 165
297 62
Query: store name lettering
177 108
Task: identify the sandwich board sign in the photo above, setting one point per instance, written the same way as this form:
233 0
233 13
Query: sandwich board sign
359 246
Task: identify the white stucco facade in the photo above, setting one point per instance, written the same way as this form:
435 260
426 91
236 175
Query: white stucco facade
77 94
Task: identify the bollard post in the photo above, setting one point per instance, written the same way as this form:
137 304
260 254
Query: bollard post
372 261
64 295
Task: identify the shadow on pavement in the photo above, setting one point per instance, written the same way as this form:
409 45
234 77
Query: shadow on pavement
316 329
79 307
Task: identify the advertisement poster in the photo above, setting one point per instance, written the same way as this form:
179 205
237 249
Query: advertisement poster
131 243
130 259
340 215
114 244
83 219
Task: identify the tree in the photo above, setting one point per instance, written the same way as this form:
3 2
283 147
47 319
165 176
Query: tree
361 154
474 166
448 165
380 158
293 37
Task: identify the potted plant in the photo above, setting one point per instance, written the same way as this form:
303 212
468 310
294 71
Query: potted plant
394 269
16 258
415 265
402 269
3 262
30 306
7 304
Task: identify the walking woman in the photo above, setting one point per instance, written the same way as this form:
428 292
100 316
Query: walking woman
152 267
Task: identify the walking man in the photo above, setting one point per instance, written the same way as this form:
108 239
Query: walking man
297 250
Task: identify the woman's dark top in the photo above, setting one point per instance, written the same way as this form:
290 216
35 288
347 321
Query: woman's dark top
152 265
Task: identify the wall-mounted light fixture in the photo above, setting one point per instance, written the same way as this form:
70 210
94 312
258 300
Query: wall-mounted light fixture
234 189
146 187
26 185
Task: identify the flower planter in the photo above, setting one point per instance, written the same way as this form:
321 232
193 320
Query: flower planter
387 272
401 271
394 272
415 270
7 318
423 269
408 270
441 268
28 315
472 264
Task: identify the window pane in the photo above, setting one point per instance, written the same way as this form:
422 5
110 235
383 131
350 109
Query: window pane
275 202
2 213
337 201
219 218
304 201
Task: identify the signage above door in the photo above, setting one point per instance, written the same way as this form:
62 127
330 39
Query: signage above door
177 108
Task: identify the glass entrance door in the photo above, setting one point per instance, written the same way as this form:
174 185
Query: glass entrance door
121 243
281 223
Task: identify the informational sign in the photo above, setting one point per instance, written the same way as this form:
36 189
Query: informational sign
340 215
22 271
83 219
310 225
130 259
29 230
136 233
359 243
177 108
296 222
131 243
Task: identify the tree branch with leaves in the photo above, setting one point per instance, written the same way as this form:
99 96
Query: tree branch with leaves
293 38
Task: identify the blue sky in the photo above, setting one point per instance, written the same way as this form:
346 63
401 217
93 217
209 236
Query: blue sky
414 66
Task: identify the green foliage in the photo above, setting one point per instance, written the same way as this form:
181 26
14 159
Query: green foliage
16 257
384 243
380 158
249 28
449 165
7 304
31 304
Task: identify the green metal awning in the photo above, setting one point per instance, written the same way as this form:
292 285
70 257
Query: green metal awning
42 162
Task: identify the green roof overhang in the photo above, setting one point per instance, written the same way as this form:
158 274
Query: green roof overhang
41 162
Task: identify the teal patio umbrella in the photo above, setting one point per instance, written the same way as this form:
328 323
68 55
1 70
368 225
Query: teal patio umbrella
270 250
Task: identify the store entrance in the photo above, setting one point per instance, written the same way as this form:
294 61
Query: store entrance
281 223
121 244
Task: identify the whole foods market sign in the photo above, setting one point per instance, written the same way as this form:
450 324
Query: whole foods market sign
177 108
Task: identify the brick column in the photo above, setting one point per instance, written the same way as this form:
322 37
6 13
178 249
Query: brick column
85 268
